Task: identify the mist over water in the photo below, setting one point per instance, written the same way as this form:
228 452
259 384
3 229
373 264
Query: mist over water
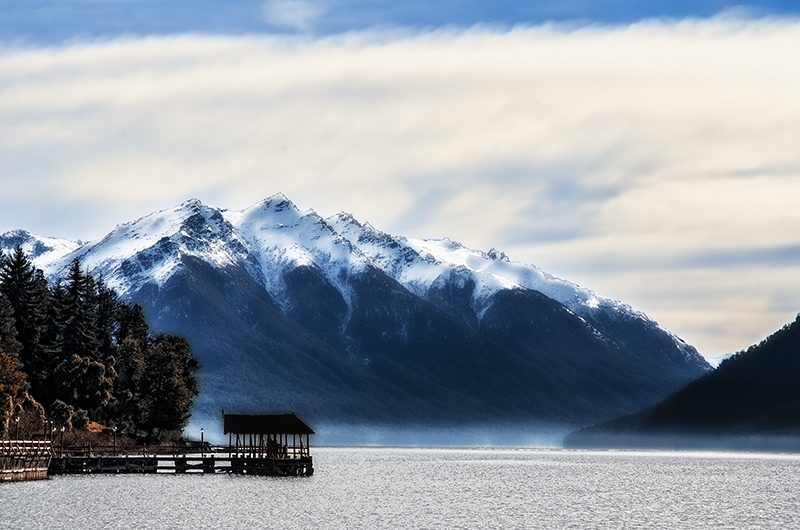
436 488
427 435
455 436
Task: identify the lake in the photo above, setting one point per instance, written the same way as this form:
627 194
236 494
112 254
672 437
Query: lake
435 488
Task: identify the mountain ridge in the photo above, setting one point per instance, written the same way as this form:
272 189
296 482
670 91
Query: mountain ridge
384 326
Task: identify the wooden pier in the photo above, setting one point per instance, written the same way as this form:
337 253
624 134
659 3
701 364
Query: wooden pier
222 460
275 445
24 460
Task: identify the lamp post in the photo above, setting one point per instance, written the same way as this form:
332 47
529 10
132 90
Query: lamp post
115 441
16 436
62 441
202 444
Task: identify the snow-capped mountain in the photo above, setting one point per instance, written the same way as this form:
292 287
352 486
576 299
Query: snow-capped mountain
342 321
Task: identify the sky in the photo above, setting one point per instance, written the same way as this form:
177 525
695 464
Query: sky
645 150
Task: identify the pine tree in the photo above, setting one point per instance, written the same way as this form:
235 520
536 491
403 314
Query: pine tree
132 323
12 379
8 332
26 291
170 385
108 316
55 360
127 387
85 382
80 331
132 340
88 356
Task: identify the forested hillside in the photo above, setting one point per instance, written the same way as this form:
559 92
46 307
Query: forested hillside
75 354
752 401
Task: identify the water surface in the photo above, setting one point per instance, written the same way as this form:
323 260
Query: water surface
435 488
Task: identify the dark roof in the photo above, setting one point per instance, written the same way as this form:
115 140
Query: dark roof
264 424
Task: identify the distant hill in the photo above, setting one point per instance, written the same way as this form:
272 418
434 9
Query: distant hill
751 401
343 323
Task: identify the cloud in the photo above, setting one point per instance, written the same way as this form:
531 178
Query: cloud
298 15
644 161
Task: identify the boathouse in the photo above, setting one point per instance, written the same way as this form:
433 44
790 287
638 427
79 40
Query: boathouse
267 435
276 441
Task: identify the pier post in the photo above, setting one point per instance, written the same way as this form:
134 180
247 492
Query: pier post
208 465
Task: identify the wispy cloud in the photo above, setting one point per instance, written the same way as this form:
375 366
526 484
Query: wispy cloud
298 15
644 161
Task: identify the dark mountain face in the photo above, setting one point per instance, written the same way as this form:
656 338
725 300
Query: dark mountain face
752 401
346 324
392 357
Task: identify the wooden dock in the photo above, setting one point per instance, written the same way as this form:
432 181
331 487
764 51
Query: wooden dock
274 445
24 460
220 461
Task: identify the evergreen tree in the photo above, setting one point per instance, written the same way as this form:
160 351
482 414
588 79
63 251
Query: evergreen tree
85 381
88 355
170 385
55 360
13 384
26 291
126 387
132 324
8 332
80 333
108 317
132 339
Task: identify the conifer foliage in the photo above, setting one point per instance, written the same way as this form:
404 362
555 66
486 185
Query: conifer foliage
87 356
12 379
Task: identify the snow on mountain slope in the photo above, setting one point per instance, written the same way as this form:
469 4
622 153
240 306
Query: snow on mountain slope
421 264
44 250
424 265
268 238
281 237
273 237
148 250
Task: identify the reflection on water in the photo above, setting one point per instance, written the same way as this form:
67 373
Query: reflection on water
435 488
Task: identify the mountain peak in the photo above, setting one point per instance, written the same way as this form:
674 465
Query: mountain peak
278 203
42 249
343 219
496 255
190 203
188 207
16 237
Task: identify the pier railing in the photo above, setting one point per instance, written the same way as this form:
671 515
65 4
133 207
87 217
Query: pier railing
24 460
25 448
289 453
36 459
217 460
122 450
